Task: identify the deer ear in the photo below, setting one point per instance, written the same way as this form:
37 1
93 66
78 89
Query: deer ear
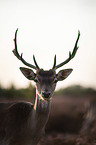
28 73
63 74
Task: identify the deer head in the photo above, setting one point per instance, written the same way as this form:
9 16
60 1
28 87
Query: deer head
45 80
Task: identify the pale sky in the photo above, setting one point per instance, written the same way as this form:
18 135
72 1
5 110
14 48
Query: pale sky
46 28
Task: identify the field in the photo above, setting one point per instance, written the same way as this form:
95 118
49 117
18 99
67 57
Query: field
66 121
69 123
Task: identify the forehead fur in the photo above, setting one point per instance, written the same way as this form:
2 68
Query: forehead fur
48 73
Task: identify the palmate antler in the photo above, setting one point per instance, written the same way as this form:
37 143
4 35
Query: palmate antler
71 55
15 51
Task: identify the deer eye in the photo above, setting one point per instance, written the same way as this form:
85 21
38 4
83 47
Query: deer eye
37 80
55 80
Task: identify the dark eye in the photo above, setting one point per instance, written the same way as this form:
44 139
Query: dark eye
55 80
36 80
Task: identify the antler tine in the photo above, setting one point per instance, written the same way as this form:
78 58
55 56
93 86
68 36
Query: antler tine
70 55
15 51
54 62
35 62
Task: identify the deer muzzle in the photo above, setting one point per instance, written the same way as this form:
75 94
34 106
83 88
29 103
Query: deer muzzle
46 94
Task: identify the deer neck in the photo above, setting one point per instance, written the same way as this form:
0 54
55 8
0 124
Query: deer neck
41 111
41 106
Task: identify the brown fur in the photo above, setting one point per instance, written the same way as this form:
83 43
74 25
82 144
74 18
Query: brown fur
13 120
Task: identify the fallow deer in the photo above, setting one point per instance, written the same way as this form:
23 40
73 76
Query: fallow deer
23 123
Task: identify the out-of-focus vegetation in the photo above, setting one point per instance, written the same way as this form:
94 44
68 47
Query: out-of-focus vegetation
18 94
30 92
67 116
76 91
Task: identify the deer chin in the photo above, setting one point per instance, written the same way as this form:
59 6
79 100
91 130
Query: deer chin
47 99
44 98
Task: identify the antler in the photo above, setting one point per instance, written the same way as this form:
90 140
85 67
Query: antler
15 51
71 55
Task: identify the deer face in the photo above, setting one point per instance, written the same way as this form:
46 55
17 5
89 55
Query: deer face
45 80
45 83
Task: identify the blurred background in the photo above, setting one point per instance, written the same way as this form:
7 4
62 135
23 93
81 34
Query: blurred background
46 28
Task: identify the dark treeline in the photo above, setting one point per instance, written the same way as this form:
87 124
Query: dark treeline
12 93
28 93
76 91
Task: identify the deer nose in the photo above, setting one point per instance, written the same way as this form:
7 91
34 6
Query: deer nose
46 94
